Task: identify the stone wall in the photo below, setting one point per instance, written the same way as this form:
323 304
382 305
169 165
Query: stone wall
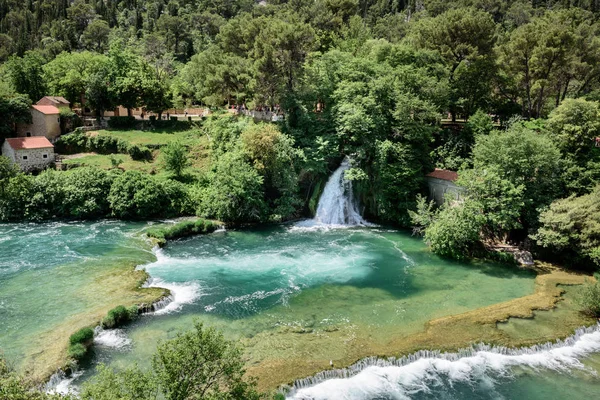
35 157
440 188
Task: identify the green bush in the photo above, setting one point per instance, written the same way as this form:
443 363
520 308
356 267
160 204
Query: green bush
121 122
570 230
77 351
82 336
119 316
139 153
136 195
75 142
455 231
182 229
103 144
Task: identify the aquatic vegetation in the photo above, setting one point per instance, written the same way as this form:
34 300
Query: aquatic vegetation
119 316
181 229
80 342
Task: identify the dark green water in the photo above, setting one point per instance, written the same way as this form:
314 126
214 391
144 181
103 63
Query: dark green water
292 296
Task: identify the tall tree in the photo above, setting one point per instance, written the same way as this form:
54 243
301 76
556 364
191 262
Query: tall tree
27 75
465 39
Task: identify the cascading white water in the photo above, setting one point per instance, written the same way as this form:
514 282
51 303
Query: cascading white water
337 205
400 378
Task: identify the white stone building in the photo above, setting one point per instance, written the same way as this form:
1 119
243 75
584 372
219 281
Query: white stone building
30 153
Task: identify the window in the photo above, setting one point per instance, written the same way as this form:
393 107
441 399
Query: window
28 134
24 157
58 119
45 156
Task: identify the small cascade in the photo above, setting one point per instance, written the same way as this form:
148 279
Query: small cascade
337 205
411 373
60 383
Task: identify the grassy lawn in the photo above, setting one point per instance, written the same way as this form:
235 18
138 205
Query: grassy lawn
104 161
198 145
157 137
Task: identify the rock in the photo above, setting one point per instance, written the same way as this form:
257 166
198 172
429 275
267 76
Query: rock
523 257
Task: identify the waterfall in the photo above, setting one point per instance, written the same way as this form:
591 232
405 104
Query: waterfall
337 205
375 377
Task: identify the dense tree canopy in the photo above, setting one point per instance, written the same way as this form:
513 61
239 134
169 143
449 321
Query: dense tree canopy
505 92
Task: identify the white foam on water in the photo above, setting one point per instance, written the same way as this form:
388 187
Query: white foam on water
114 338
304 266
400 378
59 383
181 294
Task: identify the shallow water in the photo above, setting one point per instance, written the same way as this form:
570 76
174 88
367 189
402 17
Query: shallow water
312 295
49 272
293 296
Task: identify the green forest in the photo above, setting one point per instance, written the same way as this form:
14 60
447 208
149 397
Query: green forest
505 92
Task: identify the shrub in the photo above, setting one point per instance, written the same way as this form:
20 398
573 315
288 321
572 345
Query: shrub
103 144
588 298
455 231
570 229
121 122
75 142
139 153
77 351
235 191
85 192
119 316
182 229
175 158
83 336
136 195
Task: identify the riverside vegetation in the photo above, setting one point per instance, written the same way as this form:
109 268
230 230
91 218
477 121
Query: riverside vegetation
368 80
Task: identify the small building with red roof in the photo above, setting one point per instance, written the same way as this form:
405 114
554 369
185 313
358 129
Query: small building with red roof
45 121
441 185
29 153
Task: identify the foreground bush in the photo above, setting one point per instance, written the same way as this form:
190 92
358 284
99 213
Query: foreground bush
199 364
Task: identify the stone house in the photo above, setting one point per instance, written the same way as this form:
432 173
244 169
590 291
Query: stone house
30 153
45 122
55 101
441 183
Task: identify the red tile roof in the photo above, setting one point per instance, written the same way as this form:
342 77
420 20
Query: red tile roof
34 142
444 174
48 110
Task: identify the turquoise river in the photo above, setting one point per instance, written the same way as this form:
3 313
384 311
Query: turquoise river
297 298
